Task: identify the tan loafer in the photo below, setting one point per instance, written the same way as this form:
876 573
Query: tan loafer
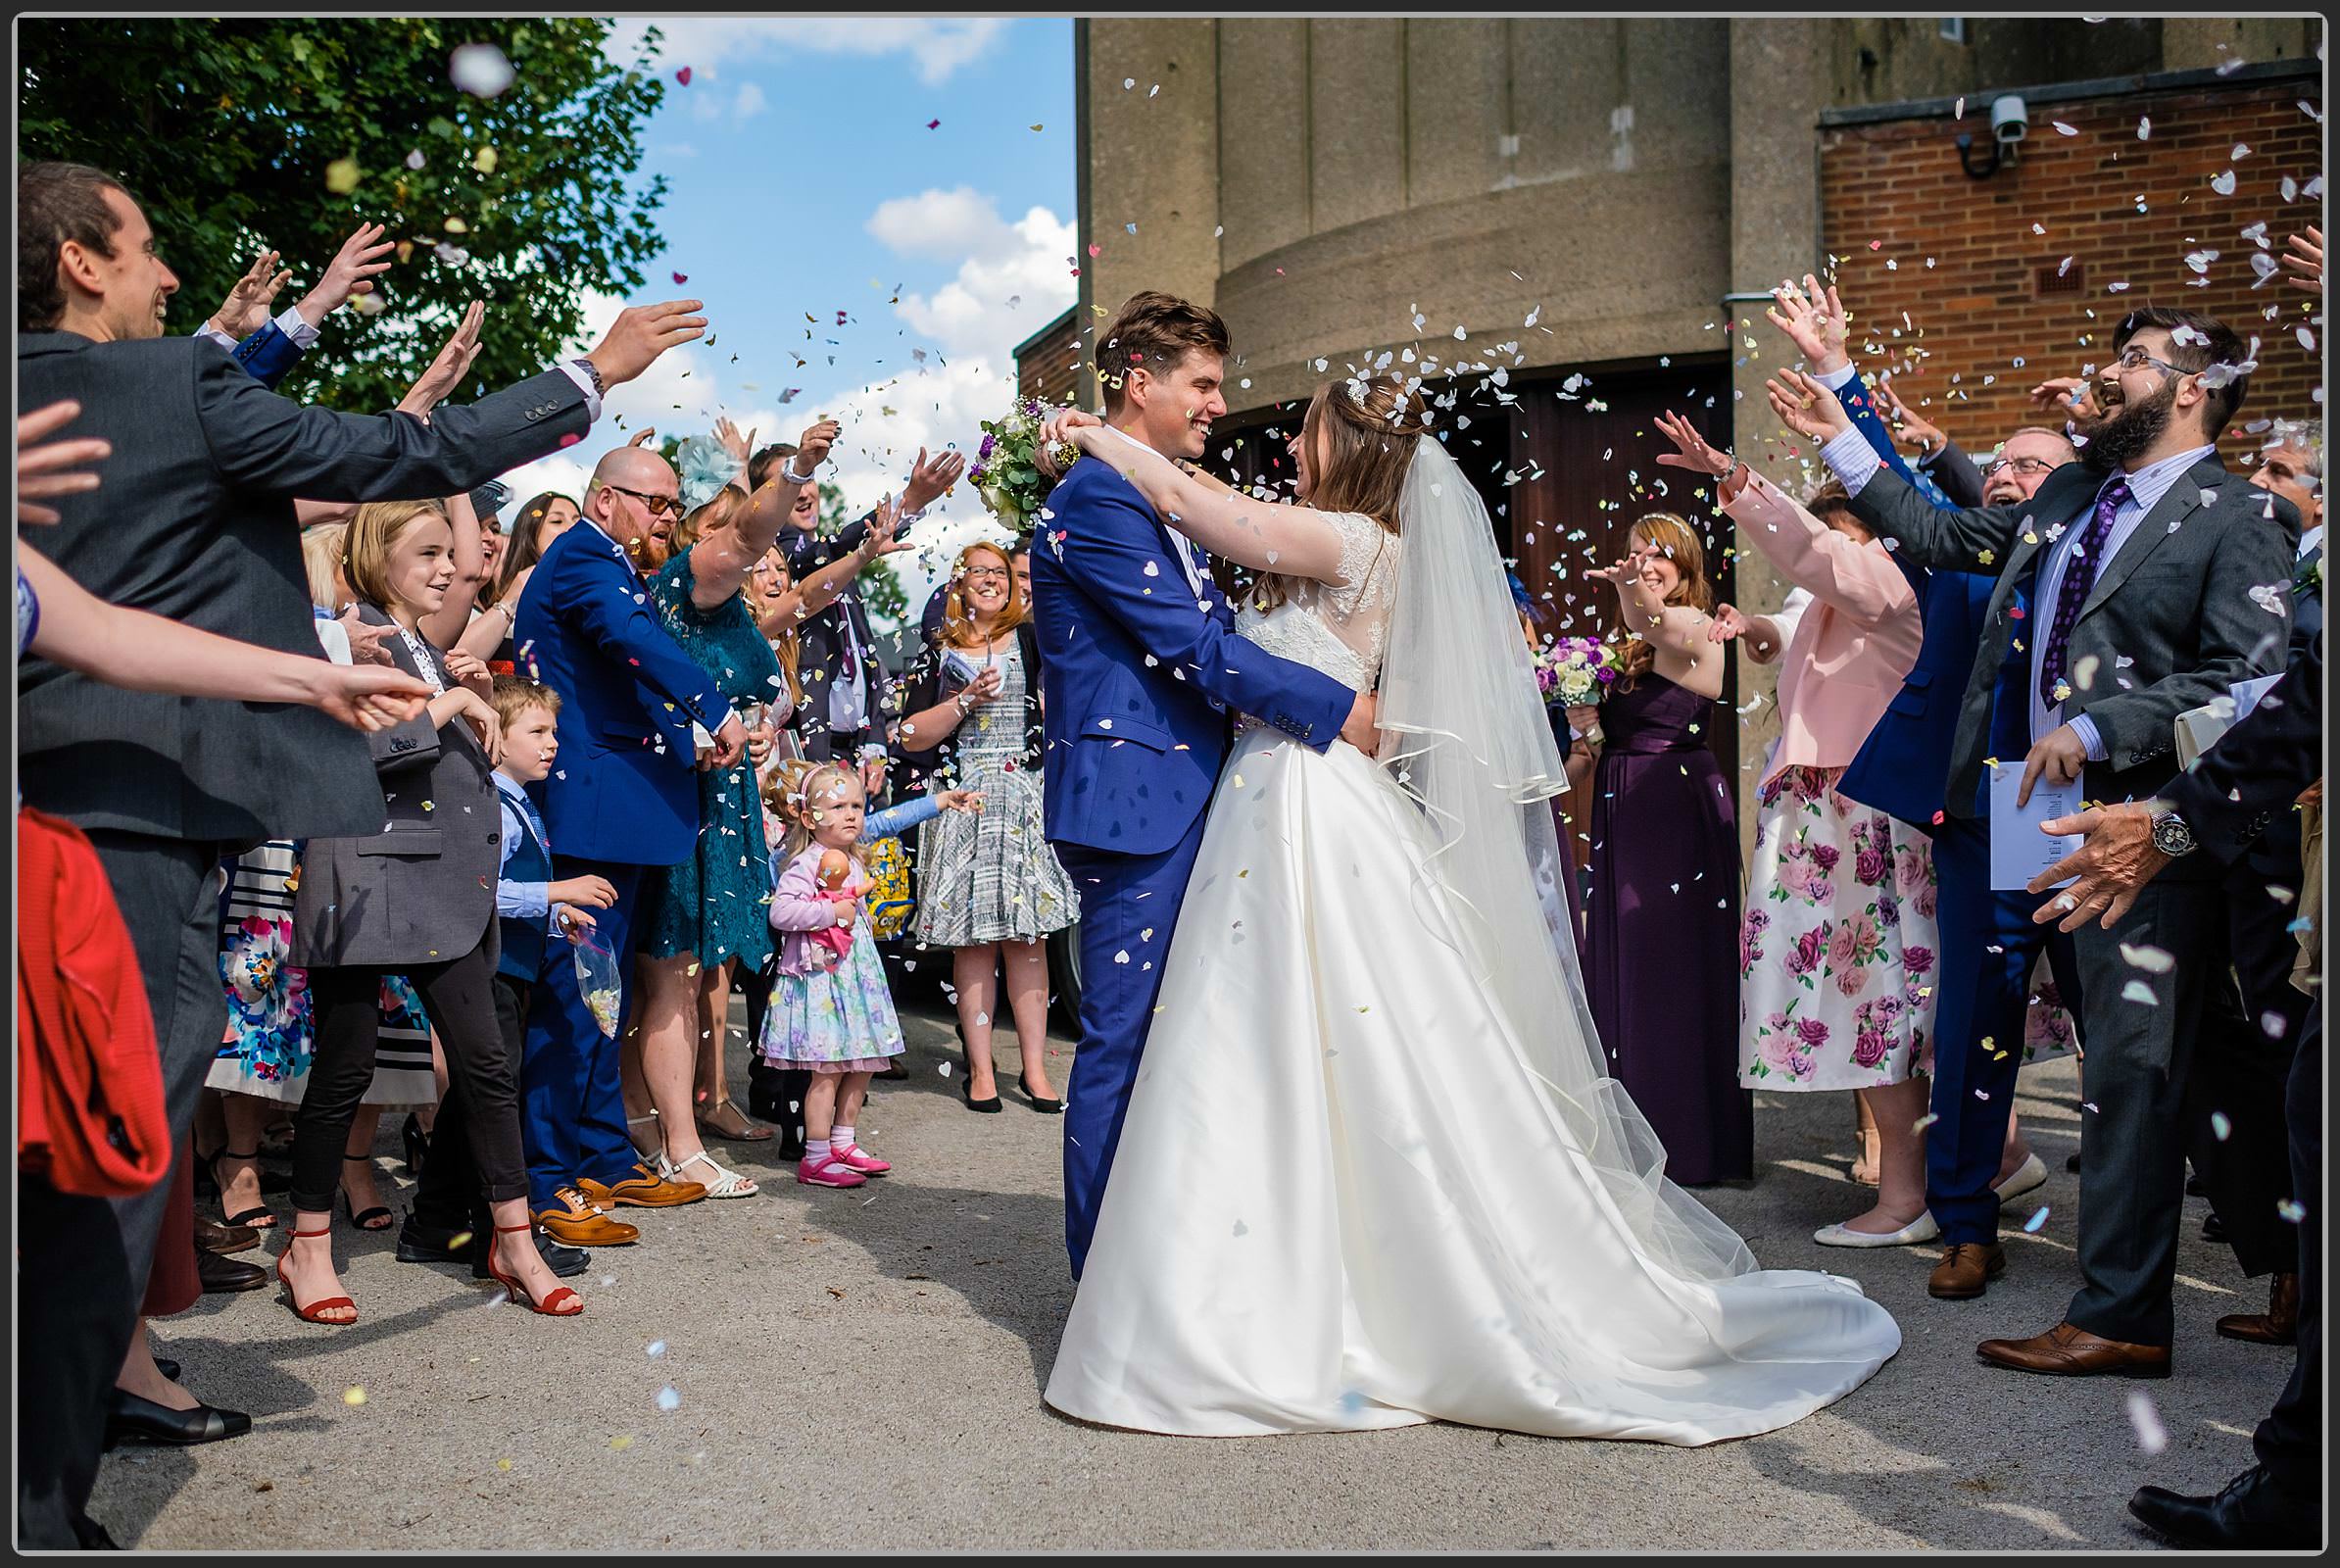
577 1222
2074 1352
643 1188
2279 1324
1966 1270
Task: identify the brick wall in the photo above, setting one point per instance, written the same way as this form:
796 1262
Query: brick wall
1988 320
1050 365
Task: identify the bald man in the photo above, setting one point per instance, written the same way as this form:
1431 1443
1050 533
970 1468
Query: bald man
621 797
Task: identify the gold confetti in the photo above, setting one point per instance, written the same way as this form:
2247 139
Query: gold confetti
355 1396
621 1445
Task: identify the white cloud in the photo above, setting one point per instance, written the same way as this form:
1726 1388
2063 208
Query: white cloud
677 149
748 105
1002 295
959 222
708 107
937 46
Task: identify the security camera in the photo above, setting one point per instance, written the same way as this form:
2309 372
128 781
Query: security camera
2009 119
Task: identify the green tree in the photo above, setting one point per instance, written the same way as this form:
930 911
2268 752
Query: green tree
226 128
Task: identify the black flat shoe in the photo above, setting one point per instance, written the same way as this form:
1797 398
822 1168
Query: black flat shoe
416 1141
2213 1228
130 1419
987 1107
428 1244
1046 1107
2250 1513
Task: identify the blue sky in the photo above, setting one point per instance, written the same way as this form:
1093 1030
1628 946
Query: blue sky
801 171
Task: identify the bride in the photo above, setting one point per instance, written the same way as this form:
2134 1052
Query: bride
1372 1173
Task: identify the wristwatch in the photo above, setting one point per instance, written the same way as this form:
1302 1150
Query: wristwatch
601 388
2170 835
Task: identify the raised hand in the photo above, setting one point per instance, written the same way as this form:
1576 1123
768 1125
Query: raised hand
1910 425
1814 321
1693 452
449 367
642 437
246 306
1729 624
930 477
1806 406
2306 260
643 332
53 468
363 254
739 448
880 540
468 672
812 446
2074 395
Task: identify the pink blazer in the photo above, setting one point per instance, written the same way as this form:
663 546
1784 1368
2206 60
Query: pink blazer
1844 664
800 909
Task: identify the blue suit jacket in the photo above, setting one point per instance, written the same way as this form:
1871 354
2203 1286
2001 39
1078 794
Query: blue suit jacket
1138 680
267 355
1903 768
625 787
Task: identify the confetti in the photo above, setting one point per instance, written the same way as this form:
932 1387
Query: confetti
355 1396
341 176
2035 1221
2139 990
619 1444
2291 1210
683 75
680 278
2151 960
670 1400
655 1349
2219 1127
2152 1436
415 159
480 69
484 161
2223 183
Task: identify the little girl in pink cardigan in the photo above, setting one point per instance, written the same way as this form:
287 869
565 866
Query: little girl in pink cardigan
830 1011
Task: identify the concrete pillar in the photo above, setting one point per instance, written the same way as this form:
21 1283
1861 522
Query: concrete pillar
1148 157
1779 85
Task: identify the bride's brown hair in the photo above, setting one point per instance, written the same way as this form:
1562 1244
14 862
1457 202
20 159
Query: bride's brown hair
1370 426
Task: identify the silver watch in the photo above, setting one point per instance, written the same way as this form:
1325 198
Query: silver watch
2170 835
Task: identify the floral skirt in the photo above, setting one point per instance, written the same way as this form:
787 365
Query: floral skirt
1838 942
838 1020
269 1042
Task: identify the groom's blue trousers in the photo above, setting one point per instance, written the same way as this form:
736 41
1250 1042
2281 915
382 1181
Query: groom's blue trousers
1123 896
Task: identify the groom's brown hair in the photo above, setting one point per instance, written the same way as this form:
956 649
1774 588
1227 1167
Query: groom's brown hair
1154 330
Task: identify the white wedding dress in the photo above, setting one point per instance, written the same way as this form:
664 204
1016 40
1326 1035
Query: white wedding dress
1348 1194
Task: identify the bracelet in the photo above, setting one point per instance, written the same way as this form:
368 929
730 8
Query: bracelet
788 471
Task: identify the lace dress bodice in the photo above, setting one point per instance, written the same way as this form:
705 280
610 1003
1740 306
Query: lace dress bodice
1341 630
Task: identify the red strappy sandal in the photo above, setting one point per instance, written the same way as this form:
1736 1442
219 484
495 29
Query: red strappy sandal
309 1314
562 1303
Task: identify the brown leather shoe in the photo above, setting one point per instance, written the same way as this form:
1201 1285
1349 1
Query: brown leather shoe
213 1237
644 1189
2279 1324
1966 1270
2072 1352
581 1223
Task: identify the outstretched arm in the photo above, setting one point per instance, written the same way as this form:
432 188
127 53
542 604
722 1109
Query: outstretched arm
1266 536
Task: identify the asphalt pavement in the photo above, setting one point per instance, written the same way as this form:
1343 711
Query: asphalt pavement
862 1370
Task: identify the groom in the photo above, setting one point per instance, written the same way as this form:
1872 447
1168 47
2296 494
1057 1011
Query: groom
1140 673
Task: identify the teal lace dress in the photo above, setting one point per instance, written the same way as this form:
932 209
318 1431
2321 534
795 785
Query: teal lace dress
718 904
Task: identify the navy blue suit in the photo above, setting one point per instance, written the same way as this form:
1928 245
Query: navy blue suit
624 795
267 355
1989 947
1139 680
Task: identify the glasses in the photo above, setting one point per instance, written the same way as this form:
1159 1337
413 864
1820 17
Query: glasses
2134 358
987 574
2028 467
656 506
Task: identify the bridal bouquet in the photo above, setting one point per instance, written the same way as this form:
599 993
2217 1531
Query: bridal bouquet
1006 473
1572 671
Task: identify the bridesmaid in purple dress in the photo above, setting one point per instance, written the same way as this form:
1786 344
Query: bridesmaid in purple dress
1661 944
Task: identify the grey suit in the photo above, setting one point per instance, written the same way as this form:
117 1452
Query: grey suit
424 886
2170 622
194 522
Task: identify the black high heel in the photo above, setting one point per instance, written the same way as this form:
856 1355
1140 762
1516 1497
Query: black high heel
1046 1107
416 1141
966 1085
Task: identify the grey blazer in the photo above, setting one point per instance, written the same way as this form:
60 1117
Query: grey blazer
194 520
419 886
2170 622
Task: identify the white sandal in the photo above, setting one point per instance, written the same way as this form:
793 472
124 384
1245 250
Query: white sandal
727 1183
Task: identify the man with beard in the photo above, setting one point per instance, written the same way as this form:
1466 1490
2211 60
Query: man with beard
2135 584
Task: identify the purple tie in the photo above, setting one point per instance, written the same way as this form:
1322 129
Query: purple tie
2080 576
